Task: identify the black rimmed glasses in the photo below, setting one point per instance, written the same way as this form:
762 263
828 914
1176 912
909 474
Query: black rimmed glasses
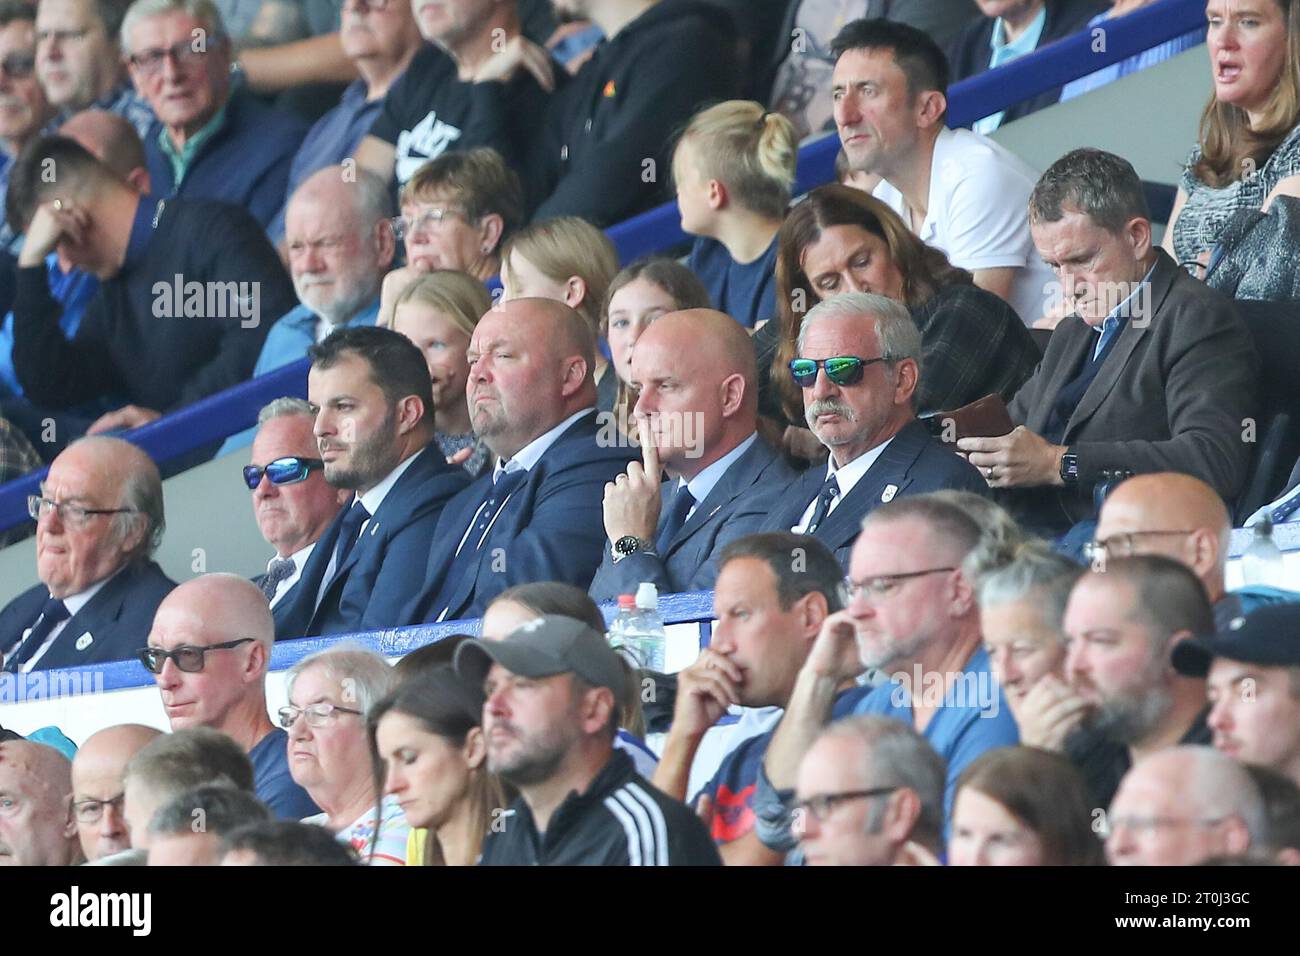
183 54
880 586
820 806
840 369
282 471
91 811
187 657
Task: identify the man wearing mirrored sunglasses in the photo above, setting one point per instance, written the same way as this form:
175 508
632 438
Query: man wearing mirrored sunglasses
859 360
292 501
209 651
99 517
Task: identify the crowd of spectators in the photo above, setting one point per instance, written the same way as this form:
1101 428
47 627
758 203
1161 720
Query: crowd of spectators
953 443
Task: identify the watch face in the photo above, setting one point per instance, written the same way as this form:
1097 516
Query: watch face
627 544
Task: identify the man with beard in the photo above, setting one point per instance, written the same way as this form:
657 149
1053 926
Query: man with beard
859 363
374 427
554 691
1121 625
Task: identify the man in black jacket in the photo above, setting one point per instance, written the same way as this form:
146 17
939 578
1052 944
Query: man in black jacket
554 692
188 289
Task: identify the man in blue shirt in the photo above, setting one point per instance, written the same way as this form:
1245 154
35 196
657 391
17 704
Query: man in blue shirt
911 614
339 244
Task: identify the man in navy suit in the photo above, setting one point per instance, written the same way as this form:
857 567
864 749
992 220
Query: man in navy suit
878 450
697 414
532 399
99 517
374 428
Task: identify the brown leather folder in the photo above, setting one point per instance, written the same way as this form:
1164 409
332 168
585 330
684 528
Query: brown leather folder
984 418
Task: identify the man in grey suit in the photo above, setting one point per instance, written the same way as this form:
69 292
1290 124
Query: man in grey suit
696 414
1153 371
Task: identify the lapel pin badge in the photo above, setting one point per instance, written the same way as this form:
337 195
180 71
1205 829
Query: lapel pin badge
84 641
374 528
889 492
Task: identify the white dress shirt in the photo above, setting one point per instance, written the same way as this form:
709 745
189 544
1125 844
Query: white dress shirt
299 559
74 603
846 477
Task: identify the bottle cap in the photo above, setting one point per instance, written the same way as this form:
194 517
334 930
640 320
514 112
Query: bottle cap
647 596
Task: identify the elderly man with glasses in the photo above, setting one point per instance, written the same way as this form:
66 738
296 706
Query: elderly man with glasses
99 517
212 140
209 651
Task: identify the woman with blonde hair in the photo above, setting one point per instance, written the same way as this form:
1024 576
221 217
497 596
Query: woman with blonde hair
438 312
734 167
571 261
1249 147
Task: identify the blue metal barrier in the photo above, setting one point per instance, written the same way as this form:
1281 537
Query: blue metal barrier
693 607
231 411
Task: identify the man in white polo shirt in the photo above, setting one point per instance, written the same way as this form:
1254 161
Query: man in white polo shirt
959 191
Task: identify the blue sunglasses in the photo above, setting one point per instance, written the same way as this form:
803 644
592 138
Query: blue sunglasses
282 471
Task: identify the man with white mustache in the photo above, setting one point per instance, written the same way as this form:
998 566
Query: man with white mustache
859 363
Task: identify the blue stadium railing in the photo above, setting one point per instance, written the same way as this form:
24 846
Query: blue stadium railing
235 409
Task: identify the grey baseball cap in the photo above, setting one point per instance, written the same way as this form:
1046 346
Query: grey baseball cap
543 647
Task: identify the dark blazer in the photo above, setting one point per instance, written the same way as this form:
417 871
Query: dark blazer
117 619
970 51
1174 394
737 505
386 565
913 464
550 529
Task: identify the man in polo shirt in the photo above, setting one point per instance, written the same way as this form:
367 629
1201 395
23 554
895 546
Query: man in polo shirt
912 614
959 191
1252 667
554 692
211 140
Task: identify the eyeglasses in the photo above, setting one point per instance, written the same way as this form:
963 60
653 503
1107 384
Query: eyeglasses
282 471
404 227
1149 824
184 54
1121 545
842 369
63 36
18 66
882 585
90 811
74 515
819 807
188 658
318 715
365 6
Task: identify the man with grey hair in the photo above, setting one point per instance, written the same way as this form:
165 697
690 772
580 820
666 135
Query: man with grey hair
209 651
1182 805
188 829
869 793
174 763
292 501
859 363
1151 371
99 517
1126 698
1021 607
210 141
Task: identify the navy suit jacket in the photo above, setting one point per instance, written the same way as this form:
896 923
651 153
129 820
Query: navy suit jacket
914 463
739 504
118 619
550 529
385 568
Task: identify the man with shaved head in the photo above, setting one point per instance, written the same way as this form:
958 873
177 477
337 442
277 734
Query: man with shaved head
36 828
99 787
1181 806
209 651
697 414
99 517
532 399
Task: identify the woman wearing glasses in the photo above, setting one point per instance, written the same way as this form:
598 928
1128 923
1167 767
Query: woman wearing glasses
329 694
429 755
839 240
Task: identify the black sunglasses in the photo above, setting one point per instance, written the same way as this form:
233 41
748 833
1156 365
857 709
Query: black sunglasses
842 369
282 471
188 659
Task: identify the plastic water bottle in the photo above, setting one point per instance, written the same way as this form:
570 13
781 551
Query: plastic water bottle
623 629
1263 563
651 641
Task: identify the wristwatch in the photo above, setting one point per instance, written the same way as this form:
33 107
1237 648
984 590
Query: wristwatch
630 544
1070 469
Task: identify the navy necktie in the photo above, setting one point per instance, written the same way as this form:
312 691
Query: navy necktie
281 569
830 491
53 612
681 505
349 530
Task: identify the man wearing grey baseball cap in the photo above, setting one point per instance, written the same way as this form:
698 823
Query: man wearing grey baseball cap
1252 668
554 689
